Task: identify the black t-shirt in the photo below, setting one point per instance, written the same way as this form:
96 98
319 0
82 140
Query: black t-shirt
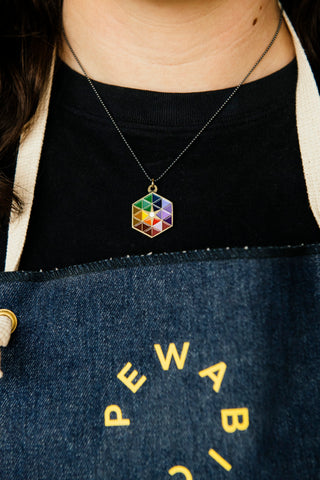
240 184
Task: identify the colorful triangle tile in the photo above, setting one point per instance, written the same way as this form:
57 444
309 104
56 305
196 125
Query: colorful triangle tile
155 198
168 208
158 227
165 203
145 204
135 210
165 225
135 221
165 215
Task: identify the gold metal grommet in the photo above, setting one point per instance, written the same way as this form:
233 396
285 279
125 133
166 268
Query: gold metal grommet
13 318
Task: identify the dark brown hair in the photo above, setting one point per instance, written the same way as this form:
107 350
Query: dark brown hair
305 16
29 30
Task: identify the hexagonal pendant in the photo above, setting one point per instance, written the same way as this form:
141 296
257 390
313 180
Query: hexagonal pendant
152 215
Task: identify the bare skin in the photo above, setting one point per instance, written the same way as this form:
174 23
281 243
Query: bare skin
175 45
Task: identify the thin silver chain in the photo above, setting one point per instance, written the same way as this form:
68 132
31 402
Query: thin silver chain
204 126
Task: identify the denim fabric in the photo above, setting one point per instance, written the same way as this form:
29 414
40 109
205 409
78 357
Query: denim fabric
257 311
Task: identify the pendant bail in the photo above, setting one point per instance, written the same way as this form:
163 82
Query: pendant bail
152 187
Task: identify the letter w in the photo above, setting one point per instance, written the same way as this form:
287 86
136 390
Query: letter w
172 352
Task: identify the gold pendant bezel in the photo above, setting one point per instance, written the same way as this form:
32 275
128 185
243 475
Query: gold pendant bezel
148 208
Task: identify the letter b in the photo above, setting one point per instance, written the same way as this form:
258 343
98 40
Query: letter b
234 414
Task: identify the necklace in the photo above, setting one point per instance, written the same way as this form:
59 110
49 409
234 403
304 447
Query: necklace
152 214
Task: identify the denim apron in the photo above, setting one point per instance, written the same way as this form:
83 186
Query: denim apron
200 365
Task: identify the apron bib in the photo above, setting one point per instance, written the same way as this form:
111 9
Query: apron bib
188 365
202 365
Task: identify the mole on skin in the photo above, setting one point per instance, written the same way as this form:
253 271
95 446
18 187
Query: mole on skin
255 20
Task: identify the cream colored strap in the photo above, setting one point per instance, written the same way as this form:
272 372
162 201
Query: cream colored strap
308 124
25 178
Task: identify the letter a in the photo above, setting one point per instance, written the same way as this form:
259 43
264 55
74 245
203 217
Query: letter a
118 421
128 381
235 414
216 378
172 352
180 469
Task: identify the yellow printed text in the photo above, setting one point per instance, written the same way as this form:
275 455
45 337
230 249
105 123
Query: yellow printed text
239 419
128 381
180 469
172 352
224 464
216 373
118 421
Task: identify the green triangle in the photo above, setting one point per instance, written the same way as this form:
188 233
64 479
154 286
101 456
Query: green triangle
148 198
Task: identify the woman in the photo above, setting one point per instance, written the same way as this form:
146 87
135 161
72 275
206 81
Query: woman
203 97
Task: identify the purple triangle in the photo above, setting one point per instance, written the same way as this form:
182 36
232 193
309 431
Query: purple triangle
166 204
166 215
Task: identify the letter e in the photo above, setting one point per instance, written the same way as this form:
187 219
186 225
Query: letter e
128 381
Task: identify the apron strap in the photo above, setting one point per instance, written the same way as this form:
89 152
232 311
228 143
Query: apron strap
25 177
308 124
308 127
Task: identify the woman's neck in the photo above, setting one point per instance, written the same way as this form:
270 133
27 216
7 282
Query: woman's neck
174 45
